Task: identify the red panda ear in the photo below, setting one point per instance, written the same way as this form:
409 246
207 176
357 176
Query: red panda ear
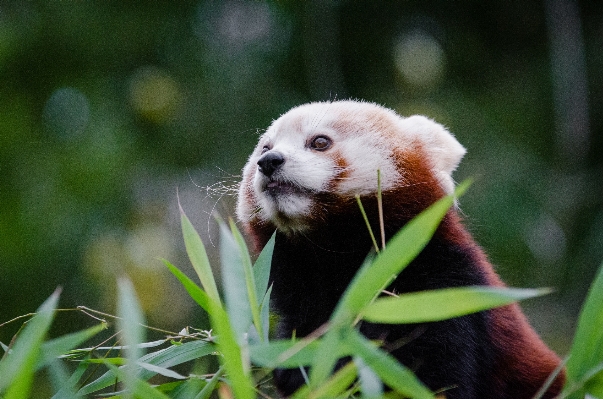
444 151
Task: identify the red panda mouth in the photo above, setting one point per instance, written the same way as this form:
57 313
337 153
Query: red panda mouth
277 187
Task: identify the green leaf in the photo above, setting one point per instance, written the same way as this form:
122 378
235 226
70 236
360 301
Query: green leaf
374 276
419 307
168 357
130 324
207 390
334 387
198 257
327 354
193 289
136 387
400 251
290 353
391 372
233 283
370 383
161 370
228 345
586 353
59 346
261 268
252 297
17 368
69 385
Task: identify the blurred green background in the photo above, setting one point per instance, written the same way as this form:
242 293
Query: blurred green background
110 111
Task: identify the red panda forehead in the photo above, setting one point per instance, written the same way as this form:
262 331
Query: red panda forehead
340 120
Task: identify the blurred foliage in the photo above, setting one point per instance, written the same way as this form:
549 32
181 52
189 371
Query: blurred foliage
109 110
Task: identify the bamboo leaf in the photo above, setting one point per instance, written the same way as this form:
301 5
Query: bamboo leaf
59 346
250 283
290 353
370 383
232 359
373 276
334 387
198 257
70 384
136 387
211 385
391 372
161 370
130 324
400 251
168 357
233 283
17 367
419 307
261 268
193 289
586 353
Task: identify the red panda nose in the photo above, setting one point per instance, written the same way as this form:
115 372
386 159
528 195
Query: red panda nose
270 162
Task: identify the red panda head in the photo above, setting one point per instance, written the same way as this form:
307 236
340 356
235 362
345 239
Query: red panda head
337 148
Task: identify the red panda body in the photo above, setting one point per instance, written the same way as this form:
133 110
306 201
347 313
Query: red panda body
302 180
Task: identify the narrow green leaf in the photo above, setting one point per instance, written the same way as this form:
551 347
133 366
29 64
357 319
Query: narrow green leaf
372 277
168 357
400 251
327 354
136 387
70 384
228 345
252 296
391 372
198 257
161 370
586 353
207 390
130 324
334 387
419 307
290 353
594 385
17 368
183 389
59 378
233 283
261 268
59 346
193 289
370 383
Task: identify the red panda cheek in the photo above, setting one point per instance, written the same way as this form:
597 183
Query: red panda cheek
342 172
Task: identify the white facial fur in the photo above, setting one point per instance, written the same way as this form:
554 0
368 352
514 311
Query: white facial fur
365 138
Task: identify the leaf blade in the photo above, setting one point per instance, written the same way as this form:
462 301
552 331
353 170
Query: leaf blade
18 367
198 257
436 305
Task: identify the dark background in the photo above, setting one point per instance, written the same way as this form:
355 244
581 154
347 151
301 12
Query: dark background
109 110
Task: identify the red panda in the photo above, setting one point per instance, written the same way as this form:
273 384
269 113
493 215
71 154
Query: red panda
302 179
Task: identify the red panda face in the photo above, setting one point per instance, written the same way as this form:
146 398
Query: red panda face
334 148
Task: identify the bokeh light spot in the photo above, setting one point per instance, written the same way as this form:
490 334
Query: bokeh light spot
420 59
67 113
153 94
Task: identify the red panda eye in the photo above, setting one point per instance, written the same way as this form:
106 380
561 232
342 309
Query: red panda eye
321 143
265 148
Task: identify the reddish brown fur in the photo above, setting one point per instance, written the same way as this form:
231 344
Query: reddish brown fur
518 360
